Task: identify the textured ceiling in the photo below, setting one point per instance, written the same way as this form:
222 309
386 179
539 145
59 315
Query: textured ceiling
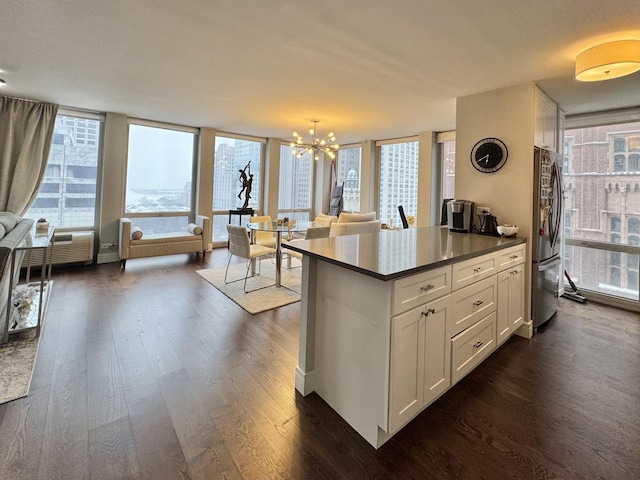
367 69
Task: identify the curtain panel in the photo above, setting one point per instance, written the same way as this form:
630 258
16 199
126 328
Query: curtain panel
26 130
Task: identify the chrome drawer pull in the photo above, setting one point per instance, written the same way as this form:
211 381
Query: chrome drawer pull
427 288
428 312
477 270
477 303
478 344
513 257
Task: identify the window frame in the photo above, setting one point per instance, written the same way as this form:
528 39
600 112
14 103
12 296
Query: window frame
61 178
194 169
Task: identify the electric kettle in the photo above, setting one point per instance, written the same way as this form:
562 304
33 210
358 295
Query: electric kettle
488 224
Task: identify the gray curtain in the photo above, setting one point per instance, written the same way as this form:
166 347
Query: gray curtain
26 128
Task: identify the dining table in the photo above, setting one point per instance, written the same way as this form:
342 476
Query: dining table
280 229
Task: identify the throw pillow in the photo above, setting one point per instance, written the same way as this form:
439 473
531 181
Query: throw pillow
2 231
356 217
194 228
325 220
8 220
136 233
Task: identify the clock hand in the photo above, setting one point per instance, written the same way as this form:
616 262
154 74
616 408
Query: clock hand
485 159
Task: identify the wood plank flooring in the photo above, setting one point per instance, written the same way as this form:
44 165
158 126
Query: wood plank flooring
151 373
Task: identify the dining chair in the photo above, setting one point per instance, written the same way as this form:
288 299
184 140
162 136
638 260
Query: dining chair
403 217
266 239
310 234
240 246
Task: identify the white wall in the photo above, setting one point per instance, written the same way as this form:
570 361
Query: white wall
507 114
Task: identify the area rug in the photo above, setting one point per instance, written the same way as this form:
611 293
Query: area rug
260 300
17 359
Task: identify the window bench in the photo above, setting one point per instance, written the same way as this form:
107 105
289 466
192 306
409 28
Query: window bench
163 244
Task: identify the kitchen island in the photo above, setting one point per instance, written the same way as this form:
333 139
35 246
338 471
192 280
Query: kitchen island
391 320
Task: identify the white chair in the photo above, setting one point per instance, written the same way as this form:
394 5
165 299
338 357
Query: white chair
311 233
240 246
266 239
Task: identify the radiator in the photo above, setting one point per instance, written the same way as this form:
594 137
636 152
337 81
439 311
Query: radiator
71 247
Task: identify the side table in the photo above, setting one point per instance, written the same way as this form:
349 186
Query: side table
40 290
240 213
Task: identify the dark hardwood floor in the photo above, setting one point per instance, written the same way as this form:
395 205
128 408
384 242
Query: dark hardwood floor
152 373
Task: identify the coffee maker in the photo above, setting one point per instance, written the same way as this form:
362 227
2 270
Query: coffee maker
460 215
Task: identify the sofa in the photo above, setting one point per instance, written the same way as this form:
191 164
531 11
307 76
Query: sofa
13 230
135 244
353 223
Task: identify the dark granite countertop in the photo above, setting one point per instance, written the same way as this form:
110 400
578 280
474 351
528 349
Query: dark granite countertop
392 254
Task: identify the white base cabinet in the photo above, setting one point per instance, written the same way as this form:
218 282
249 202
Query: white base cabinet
383 351
510 298
419 361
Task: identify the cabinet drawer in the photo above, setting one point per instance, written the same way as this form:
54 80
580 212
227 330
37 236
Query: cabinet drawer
511 256
472 346
472 303
470 271
410 292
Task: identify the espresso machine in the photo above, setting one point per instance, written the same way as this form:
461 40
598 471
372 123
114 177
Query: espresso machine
460 215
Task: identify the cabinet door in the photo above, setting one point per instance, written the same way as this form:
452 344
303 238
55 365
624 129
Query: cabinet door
510 302
516 296
437 357
545 122
503 324
406 372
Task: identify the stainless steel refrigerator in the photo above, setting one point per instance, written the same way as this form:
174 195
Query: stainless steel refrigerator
546 266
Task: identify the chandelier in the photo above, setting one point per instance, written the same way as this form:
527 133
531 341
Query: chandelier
315 144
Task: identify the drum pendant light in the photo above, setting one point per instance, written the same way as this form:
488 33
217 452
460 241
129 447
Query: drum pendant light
609 60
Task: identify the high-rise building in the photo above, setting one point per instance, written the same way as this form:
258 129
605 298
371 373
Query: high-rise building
602 204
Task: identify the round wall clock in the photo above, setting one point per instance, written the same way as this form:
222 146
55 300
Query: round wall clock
489 155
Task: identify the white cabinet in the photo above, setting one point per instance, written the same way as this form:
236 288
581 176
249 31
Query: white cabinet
471 346
420 360
545 121
510 302
472 303
511 256
415 290
561 120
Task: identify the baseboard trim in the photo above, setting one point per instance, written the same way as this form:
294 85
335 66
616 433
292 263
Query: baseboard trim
525 330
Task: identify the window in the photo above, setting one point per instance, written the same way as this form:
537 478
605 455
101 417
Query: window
448 169
296 184
42 204
160 168
81 188
615 258
81 171
398 163
79 202
592 186
50 188
615 277
619 145
615 224
58 200
348 173
233 155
